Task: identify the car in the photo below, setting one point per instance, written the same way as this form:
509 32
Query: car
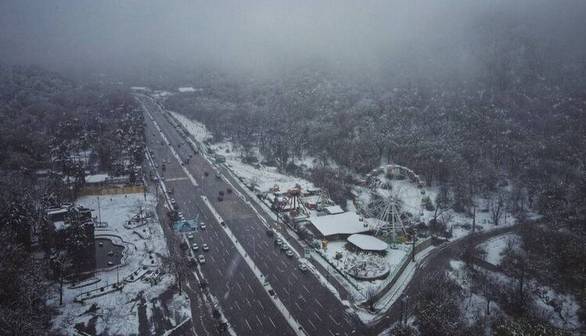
190 236
229 190
201 259
218 176
205 247
220 198
202 225
270 233
289 253
221 192
206 174
284 247
278 241
303 267
195 247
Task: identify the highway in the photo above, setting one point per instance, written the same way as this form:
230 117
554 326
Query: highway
249 311
244 300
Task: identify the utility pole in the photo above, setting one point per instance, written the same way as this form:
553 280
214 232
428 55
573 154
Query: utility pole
99 212
413 245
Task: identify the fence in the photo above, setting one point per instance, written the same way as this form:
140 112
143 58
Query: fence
111 190
398 271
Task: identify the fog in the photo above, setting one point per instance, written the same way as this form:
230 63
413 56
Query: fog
269 36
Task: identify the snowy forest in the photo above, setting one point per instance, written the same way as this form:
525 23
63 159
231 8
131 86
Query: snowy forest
45 120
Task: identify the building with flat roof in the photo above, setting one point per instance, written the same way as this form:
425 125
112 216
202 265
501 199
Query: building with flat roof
338 226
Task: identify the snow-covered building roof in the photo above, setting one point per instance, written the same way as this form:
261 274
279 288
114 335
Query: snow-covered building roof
97 178
344 223
367 243
334 210
188 89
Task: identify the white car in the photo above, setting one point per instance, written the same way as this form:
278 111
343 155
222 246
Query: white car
195 247
289 253
202 225
201 259
205 247
190 236
303 267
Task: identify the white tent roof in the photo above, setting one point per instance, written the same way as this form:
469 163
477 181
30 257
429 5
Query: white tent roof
366 242
344 223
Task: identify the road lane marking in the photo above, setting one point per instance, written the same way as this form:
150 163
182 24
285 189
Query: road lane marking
319 318
331 318
258 320
319 303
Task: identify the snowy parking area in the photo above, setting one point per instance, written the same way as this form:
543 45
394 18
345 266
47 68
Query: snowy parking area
144 284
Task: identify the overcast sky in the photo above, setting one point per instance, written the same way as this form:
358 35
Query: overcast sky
109 35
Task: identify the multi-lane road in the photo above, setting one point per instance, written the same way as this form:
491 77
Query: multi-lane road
243 297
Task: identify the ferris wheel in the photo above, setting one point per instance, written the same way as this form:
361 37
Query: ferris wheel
385 207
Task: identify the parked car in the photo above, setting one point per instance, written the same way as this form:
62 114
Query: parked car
218 176
202 225
205 247
194 247
278 241
284 247
229 190
220 198
221 192
289 253
190 235
201 259
303 267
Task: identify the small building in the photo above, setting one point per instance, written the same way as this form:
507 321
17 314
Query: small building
311 202
333 210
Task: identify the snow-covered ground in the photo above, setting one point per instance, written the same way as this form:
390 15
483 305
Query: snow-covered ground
460 223
117 313
348 259
495 247
196 129
561 310
265 177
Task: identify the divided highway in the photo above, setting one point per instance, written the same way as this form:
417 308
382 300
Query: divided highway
242 297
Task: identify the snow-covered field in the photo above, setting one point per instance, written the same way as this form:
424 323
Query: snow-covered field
117 313
495 247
